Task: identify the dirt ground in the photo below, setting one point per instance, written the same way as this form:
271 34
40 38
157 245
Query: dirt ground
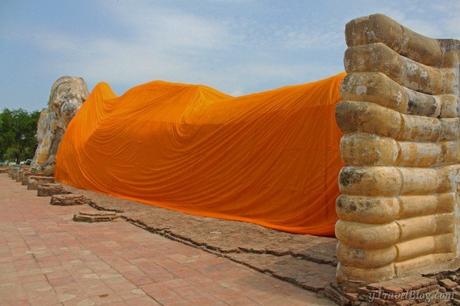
304 260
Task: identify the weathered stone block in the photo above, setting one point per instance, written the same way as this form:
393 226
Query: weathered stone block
447 283
69 199
25 177
95 216
13 172
46 190
34 181
19 176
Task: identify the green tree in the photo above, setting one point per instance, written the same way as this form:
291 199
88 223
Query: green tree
17 134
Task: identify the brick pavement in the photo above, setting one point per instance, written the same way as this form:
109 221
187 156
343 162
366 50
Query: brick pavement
47 259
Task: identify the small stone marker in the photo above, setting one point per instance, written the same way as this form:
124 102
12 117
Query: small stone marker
22 170
19 176
13 172
95 216
69 199
25 177
27 174
49 189
35 180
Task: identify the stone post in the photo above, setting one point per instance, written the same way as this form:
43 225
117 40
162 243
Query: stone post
399 116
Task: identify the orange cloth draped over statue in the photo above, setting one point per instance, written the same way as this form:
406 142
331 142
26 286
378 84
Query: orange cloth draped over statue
270 158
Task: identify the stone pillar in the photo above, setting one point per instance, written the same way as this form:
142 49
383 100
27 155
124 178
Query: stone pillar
399 116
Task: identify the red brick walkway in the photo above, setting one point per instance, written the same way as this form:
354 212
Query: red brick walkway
47 259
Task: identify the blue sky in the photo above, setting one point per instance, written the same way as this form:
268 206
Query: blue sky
236 46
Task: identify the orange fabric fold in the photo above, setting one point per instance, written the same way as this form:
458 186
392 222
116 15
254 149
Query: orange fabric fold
270 158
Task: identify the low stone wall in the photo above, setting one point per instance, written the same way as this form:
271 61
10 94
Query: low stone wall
398 208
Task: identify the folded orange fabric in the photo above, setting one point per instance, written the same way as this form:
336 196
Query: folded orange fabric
270 158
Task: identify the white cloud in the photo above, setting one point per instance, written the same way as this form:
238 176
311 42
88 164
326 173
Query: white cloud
436 19
230 53
173 45
159 46
237 46
157 26
309 38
